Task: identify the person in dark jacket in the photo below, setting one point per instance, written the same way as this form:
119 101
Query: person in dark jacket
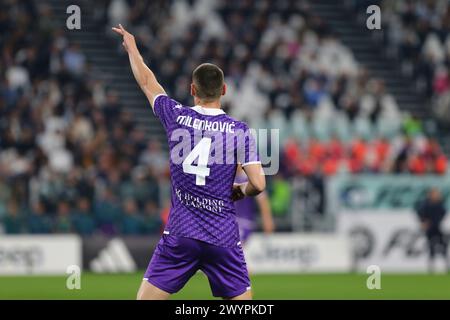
39 221
82 218
431 213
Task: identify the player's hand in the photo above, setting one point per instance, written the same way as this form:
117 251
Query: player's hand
238 192
268 226
129 42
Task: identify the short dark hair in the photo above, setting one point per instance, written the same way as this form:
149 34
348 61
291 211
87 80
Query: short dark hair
208 80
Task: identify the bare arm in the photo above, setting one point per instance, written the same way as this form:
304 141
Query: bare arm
256 179
266 212
143 75
255 185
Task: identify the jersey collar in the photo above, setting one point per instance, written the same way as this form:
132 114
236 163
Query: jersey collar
208 111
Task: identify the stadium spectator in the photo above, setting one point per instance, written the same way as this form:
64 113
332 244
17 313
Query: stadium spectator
131 222
63 219
39 221
154 158
82 218
280 195
74 60
107 212
12 222
152 223
431 213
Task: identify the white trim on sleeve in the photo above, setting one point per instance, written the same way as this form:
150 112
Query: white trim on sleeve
156 97
154 100
251 162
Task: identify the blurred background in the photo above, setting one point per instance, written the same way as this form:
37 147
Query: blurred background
364 120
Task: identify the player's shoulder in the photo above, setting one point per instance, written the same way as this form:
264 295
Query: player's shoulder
218 114
165 100
166 108
239 123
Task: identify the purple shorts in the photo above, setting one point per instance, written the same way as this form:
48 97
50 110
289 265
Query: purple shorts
177 259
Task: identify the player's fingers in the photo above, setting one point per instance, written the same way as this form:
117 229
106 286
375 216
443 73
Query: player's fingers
122 28
117 31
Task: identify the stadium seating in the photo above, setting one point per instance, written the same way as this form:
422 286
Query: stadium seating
73 158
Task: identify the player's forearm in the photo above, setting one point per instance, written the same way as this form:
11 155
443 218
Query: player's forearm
143 75
252 189
266 212
256 180
264 206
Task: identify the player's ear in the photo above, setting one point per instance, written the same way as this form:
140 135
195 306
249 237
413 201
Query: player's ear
192 89
224 89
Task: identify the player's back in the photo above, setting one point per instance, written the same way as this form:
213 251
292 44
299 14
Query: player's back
205 146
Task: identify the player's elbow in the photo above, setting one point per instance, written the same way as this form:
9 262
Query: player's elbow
260 185
256 177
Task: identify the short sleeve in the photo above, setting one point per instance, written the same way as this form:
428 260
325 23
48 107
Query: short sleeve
247 148
166 109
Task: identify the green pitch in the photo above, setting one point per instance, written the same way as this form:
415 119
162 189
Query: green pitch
298 286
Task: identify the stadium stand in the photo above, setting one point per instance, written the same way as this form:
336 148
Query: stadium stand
81 152
416 41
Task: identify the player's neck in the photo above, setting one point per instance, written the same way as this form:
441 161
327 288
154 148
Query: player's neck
211 105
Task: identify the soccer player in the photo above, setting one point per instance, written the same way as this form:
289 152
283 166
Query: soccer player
202 232
247 207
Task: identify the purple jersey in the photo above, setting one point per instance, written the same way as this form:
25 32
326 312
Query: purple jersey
205 147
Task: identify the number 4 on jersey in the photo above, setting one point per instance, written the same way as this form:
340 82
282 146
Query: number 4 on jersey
201 170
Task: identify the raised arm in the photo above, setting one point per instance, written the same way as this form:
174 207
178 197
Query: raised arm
143 75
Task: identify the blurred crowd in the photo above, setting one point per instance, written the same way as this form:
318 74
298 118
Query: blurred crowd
73 160
417 34
401 155
286 69
278 56
71 157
